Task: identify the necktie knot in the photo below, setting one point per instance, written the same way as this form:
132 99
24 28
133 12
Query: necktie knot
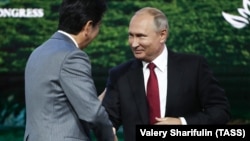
151 66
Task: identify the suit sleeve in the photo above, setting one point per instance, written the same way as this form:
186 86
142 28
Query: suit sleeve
76 80
214 102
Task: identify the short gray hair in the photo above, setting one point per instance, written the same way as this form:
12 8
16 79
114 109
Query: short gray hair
160 19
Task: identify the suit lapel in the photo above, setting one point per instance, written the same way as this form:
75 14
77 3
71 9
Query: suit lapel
136 80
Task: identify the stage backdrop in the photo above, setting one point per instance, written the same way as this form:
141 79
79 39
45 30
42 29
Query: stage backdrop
216 29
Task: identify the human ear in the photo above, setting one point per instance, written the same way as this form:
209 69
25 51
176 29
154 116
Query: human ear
163 35
88 27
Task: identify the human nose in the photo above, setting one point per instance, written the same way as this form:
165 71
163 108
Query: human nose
133 42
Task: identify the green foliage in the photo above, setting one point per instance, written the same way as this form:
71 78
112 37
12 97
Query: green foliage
12 134
21 35
206 32
196 27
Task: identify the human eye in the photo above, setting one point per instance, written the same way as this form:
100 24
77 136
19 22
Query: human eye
141 35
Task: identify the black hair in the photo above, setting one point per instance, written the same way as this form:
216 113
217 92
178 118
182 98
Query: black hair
74 14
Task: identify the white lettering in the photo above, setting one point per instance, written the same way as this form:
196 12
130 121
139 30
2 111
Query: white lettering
192 132
21 13
145 132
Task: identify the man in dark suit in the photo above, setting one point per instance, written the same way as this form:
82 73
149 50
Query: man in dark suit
61 98
188 91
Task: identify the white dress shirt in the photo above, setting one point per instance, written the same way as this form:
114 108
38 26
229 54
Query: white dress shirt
67 34
161 63
161 73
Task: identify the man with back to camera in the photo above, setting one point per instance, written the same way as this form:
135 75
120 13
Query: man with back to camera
61 98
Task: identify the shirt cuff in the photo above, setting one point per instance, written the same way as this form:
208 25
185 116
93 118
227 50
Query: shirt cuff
183 121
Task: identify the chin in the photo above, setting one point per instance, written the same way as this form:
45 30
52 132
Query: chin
138 56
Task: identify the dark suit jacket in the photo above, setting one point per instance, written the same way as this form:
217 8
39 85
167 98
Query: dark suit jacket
192 93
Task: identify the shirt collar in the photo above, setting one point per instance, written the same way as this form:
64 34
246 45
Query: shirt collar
68 35
160 61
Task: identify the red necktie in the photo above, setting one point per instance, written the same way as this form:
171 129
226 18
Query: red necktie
153 94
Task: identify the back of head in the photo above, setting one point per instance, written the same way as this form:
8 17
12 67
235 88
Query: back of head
74 14
160 18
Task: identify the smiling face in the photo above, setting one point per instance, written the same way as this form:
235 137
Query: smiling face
145 41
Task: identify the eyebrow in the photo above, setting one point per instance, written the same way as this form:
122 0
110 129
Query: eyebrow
137 34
